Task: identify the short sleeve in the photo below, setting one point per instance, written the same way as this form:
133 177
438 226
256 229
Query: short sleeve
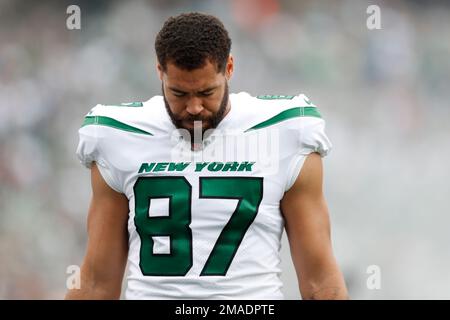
311 138
89 150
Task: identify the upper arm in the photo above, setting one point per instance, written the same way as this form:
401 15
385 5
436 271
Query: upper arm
105 260
308 227
306 215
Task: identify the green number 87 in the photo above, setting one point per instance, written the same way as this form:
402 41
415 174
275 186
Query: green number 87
249 192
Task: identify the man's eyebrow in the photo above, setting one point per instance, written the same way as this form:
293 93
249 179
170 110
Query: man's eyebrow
208 89
203 91
177 90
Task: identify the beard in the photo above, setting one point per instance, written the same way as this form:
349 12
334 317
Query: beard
212 120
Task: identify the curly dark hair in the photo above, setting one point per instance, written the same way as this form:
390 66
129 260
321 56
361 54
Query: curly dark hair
190 39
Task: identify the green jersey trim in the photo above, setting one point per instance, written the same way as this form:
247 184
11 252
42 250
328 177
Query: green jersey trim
274 97
126 104
286 115
110 122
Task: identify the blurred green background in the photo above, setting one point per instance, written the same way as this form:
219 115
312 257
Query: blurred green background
384 94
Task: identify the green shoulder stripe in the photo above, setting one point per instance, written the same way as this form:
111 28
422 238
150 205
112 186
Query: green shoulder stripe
288 114
131 104
110 122
126 104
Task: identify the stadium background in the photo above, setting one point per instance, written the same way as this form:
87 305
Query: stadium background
384 94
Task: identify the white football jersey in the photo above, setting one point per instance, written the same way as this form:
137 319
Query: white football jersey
204 224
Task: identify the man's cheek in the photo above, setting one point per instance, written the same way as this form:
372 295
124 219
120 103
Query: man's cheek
176 107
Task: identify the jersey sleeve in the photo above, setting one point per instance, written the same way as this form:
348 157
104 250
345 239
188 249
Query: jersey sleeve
311 138
90 150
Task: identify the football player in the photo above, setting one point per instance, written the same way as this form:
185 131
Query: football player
198 218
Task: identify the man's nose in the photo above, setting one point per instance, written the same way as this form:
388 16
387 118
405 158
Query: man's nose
194 106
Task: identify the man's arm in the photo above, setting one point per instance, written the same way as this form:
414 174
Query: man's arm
105 260
308 230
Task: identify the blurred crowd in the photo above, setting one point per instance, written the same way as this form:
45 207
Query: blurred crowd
384 94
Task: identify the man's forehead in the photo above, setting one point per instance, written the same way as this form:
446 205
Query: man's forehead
197 79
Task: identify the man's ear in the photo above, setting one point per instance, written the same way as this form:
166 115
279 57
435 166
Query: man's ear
160 70
230 67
